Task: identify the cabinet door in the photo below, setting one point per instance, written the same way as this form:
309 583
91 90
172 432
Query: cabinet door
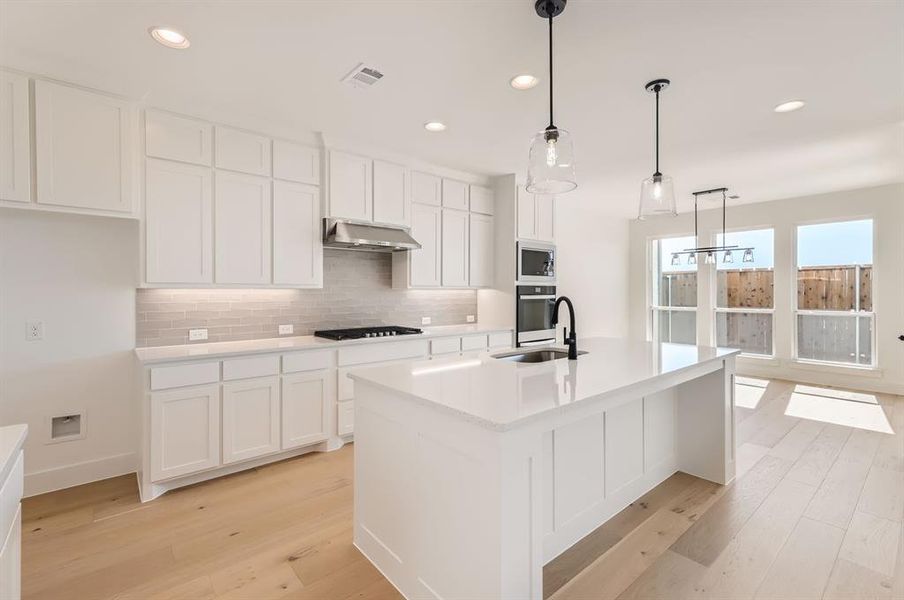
345 417
11 558
527 214
481 251
250 418
482 200
177 138
306 398
185 431
294 162
426 228
242 218
178 223
455 248
390 193
426 189
242 151
15 148
297 245
351 191
546 216
83 149
455 194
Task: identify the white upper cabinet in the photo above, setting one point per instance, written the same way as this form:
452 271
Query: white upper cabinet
242 218
546 217
15 144
536 216
390 193
455 194
294 162
455 240
481 255
426 189
242 151
350 186
83 149
251 421
178 138
426 263
178 223
297 245
482 200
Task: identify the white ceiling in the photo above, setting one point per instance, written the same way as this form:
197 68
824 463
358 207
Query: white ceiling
276 66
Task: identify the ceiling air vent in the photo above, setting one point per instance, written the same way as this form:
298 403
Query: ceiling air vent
362 76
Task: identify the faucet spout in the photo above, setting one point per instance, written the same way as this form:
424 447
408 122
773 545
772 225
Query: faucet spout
571 338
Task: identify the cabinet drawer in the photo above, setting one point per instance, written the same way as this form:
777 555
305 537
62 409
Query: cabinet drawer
345 387
473 342
345 417
243 368
500 340
307 361
368 353
445 345
182 375
10 495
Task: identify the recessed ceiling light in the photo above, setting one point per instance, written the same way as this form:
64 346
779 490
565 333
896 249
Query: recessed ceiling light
434 126
789 106
524 82
169 37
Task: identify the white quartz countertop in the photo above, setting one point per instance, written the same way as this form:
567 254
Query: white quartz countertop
501 394
158 354
12 438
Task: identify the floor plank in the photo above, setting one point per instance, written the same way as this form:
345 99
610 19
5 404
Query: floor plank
670 576
872 542
837 497
883 494
812 467
850 581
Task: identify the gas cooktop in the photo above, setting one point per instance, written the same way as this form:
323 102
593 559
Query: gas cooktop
366 332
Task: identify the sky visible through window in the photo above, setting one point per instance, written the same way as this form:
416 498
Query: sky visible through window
827 244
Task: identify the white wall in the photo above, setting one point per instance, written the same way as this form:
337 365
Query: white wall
884 204
78 275
592 270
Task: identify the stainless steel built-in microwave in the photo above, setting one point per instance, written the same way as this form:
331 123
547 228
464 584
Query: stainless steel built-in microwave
536 263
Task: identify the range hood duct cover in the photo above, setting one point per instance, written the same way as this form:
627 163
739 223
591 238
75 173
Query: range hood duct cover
358 235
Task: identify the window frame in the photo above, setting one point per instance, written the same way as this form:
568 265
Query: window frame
854 314
654 309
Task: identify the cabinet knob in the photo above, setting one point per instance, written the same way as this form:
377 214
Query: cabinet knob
901 337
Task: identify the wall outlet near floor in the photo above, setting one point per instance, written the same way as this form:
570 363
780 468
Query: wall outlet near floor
286 329
196 335
425 320
470 318
34 330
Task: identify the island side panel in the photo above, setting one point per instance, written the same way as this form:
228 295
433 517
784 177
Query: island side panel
706 425
445 508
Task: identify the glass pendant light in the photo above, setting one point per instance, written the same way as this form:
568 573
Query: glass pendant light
748 255
728 258
710 258
657 194
692 259
675 260
551 162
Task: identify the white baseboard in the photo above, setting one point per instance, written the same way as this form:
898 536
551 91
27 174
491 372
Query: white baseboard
866 382
58 478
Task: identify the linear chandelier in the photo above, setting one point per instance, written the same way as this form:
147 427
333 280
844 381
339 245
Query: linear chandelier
711 251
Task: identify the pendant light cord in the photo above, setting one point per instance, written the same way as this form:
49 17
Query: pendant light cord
550 9
657 131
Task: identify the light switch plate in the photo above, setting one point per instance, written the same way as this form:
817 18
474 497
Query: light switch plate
34 330
286 329
470 318
425 320
196 335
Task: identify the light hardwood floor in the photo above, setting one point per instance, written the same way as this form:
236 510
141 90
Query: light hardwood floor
816 512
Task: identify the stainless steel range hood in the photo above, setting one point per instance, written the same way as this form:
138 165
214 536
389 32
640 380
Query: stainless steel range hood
360 235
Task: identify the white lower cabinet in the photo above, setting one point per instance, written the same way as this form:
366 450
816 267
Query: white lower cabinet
345 417
11 560
305 400
185 431
251 423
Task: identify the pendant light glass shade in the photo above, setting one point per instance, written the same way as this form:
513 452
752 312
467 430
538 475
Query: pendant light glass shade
710 258
748 255
657 197
551 166
728 258
692 259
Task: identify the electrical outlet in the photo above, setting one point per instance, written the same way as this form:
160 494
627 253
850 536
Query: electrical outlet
425 320
34 330
470 318
286 329
196 335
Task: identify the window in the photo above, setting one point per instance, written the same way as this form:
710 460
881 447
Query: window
744 292
673 305
835 318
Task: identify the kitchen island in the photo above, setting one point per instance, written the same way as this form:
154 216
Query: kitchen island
472 473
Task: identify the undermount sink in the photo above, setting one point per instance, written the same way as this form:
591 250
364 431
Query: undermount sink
535 356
